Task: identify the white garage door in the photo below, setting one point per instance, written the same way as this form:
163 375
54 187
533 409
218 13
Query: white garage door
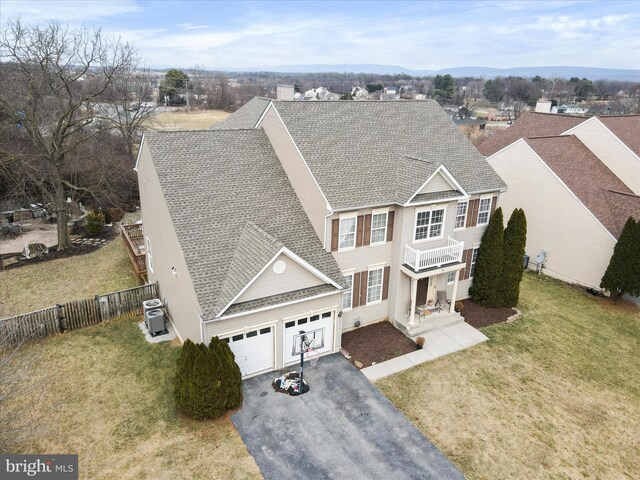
321 321
253 350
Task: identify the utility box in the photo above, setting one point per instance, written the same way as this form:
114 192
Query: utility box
155 322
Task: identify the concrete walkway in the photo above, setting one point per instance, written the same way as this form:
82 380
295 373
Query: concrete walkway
437 343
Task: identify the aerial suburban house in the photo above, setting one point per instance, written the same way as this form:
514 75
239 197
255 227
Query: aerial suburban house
578 181
313 216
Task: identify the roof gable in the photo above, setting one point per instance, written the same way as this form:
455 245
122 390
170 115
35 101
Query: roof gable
597 187
626 128
281 274
203 178
369 153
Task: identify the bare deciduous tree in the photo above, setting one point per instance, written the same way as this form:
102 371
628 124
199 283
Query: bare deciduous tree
51 76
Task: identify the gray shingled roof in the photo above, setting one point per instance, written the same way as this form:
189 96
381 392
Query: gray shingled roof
245 117
281 298
446 195
367 153
228 197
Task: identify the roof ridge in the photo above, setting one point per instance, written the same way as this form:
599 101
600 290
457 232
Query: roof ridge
275 241
551 136
419 159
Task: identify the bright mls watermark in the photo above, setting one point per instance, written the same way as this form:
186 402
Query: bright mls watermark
50 467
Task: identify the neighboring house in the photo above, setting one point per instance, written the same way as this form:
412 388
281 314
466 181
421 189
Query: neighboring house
315 216
578 181
391 89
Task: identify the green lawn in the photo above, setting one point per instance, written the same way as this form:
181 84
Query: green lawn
106 394
41 285
556 394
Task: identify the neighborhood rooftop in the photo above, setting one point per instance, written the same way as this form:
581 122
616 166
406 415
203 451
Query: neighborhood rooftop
529 124
368 153
216 184
602 192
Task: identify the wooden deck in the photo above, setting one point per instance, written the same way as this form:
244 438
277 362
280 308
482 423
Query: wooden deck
133 240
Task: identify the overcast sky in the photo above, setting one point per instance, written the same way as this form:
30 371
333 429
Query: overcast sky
417 35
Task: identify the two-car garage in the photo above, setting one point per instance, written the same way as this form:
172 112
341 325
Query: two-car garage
269 346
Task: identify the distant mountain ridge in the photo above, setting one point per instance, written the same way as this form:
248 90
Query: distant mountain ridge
592 73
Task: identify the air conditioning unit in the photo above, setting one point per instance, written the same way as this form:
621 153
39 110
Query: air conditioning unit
155 322
152 304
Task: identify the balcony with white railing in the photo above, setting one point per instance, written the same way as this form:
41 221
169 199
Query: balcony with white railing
436 257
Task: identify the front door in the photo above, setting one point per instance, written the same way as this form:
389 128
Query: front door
421 295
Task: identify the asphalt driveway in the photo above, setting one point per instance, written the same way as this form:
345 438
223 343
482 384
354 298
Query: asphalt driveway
343 428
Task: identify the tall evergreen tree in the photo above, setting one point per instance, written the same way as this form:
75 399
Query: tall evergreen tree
184 367
515 240
199 391
623 273
232 374
487 281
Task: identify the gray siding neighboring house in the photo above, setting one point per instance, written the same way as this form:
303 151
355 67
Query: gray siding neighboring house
314 215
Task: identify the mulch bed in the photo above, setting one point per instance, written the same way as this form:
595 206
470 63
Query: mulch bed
376 343
478 316
78 249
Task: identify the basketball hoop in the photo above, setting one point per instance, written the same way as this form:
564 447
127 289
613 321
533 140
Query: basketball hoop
312 356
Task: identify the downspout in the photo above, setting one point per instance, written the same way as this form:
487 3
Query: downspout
201 328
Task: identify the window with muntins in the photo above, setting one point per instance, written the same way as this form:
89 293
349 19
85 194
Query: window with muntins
374 285
461 214
474 257
483 211
451 276
378 228
347 295
429 224
347 237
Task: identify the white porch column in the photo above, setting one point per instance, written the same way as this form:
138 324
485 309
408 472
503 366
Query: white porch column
454 292
412 312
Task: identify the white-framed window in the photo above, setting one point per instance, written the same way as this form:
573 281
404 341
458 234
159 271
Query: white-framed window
374 285
429 224
149 255
347 235
379 227
474 258
483 210
347 295
451 277
461 214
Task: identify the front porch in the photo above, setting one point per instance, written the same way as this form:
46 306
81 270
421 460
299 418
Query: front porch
432 298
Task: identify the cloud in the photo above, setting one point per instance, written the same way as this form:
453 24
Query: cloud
33 11
188 26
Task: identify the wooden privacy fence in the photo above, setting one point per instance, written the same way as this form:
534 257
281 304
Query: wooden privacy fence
77 314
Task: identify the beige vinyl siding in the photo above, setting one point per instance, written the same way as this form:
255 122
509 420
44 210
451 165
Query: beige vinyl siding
473 235
436 184
294 277
176 291
359 260
303 183
366 314
246 323
611 151
578 247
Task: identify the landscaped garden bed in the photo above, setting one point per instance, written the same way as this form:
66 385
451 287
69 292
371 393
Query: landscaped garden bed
479 317
376 343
